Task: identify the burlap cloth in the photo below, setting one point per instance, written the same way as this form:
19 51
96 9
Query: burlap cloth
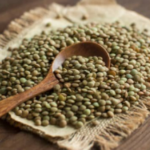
109 133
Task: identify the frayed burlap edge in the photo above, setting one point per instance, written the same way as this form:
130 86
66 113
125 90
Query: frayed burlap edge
18 25
108 134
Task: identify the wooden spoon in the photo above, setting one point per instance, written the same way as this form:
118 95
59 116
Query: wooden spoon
83 49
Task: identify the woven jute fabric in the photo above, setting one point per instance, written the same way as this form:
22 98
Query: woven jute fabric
109 132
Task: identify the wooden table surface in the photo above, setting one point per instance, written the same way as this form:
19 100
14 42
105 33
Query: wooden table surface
12 138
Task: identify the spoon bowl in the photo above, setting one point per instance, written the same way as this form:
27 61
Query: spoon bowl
85 49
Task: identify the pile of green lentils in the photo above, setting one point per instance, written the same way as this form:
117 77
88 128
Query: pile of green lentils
87 88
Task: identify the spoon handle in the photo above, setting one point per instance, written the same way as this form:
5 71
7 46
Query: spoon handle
9 103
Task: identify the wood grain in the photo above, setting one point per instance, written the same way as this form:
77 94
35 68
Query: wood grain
11 9
14 139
